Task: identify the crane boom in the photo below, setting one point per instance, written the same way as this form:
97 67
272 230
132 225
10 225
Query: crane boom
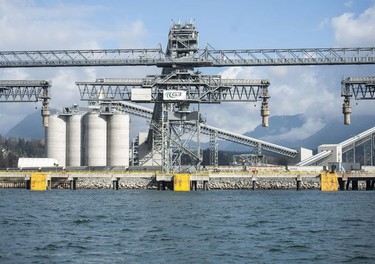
197 88
201 58
27 91
24 90
361 88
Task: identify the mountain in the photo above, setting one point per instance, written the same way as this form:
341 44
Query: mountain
283 130
278 125
31 127
335 131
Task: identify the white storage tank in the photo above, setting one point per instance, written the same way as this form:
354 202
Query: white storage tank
73 140
118 140
55 138
95 139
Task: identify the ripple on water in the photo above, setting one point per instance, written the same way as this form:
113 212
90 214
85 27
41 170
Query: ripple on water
82 221
197 227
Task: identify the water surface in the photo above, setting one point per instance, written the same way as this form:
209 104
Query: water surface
144 226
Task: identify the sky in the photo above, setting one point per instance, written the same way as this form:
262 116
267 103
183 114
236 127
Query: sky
313 91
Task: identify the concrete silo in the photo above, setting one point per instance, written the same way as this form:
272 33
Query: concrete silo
73 140
55 138
95 139
118 140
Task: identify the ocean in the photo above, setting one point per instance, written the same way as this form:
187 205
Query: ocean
218 226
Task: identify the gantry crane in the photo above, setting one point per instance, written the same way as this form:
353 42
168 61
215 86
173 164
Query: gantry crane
179 80
361 88
174 127
27 91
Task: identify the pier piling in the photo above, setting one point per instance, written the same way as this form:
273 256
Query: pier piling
115 184
299 180
73 184
254 182
205 186
355 185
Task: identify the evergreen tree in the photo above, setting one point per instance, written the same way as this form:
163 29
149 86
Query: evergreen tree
11 149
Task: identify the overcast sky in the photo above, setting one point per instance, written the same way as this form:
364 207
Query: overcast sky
243 24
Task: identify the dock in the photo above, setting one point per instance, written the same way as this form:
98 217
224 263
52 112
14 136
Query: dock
262 179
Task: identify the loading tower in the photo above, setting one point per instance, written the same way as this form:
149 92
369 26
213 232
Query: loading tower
175 128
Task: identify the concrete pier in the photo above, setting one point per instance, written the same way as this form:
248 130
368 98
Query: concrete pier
204 181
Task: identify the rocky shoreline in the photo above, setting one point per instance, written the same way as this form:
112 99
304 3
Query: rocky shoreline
219 183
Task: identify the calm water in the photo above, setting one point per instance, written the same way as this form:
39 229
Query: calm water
140 226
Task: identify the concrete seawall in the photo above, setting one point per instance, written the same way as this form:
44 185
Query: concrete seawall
148 180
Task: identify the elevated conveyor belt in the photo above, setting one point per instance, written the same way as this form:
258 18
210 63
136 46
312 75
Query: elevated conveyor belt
248 141
356 140
222 134
315 159
345 145
132 109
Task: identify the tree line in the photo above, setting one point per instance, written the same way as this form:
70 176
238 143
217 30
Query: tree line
11 149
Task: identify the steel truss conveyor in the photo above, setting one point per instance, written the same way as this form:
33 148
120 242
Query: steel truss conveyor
364 139
248 141
348 150
202 58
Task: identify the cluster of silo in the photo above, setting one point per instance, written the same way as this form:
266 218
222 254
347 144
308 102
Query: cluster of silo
90 139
